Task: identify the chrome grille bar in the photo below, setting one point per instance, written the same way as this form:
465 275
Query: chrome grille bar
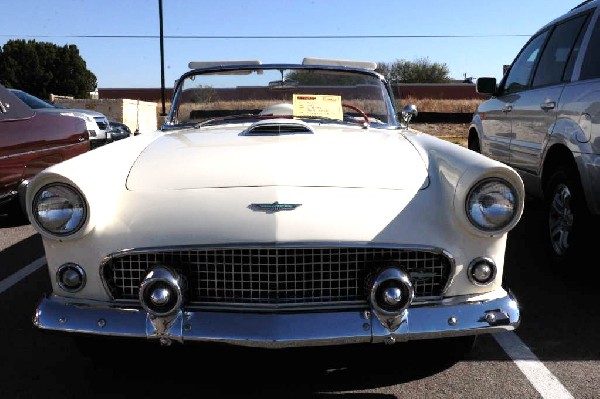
280 275
277 276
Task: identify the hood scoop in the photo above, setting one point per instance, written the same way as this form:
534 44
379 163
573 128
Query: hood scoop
277 127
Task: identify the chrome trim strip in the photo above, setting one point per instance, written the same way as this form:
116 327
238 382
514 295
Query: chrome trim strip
38 151
281 244
278 244
281 308
463 316
22 190
9 195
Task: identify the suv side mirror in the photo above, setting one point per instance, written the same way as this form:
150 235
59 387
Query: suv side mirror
486 86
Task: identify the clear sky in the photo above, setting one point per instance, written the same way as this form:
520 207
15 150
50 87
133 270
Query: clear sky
493 32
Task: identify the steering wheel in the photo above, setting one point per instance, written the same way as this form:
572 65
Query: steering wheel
360 111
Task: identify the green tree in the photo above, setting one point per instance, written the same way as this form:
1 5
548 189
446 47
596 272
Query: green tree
42 68
422 70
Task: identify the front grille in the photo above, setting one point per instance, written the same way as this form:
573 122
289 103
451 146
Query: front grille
277 276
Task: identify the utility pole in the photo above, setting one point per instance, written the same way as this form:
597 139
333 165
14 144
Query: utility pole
162 60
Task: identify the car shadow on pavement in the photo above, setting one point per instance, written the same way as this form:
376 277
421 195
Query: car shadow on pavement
559 308
10 218
212 370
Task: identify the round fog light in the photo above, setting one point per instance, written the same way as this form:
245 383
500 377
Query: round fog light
70 277
482 271
160 292
390 291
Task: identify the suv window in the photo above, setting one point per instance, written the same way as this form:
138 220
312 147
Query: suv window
589 68
520 73
556 53
575 52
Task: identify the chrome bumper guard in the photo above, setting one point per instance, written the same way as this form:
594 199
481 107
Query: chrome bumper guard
459 316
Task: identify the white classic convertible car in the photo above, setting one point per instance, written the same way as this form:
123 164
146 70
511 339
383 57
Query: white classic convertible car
279 205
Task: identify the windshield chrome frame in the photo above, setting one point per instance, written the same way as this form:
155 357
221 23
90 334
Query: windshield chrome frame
393 124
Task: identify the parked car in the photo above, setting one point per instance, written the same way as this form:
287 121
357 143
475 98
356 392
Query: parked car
279 205
30 142
543 119
119 130
101 133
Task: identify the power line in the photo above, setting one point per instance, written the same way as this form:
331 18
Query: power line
267 37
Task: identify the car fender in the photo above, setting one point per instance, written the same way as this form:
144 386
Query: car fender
568 134
476 126
574 136
476 123
445 161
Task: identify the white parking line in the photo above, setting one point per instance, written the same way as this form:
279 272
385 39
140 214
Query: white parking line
21 274
540 377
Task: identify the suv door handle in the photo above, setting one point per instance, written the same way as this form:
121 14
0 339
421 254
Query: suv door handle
507 108
548 105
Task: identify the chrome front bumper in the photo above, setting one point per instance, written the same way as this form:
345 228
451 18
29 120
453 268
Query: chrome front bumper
459 316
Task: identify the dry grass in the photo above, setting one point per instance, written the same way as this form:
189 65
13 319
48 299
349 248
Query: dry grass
441 105
453 132
423 104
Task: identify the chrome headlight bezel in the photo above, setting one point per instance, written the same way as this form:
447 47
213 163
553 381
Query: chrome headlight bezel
68 224
492 205
74 268
480 262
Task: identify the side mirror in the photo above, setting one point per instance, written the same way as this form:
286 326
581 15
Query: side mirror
486 86
409 112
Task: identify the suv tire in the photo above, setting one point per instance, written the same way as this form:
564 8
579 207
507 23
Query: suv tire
565 215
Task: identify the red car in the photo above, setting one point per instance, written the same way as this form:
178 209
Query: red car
31 141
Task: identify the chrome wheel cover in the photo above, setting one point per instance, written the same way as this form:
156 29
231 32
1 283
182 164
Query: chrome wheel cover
560 219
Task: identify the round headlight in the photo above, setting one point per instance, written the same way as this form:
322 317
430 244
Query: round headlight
492 205
59 209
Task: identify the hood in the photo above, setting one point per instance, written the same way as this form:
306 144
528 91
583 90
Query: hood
228 156
89 112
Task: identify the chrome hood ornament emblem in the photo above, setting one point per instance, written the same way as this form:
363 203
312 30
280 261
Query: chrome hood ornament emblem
274 207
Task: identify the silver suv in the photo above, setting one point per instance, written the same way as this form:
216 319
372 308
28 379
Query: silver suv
543 119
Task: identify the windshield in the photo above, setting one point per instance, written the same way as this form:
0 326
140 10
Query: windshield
313 95
30 100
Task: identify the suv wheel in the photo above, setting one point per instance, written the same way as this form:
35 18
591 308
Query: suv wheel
565 215
473 143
